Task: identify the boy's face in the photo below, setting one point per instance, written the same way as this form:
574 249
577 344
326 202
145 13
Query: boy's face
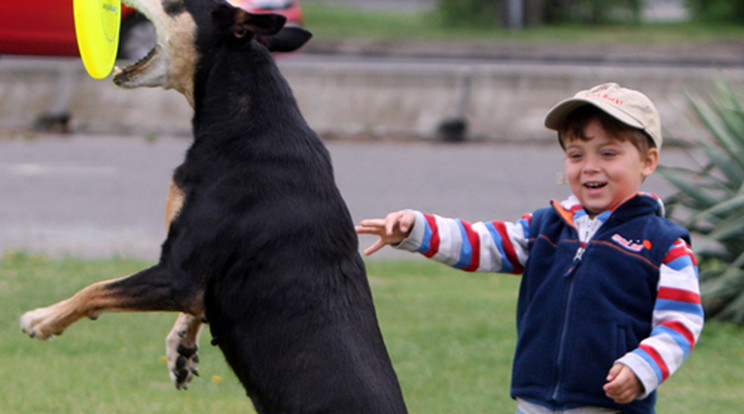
604 171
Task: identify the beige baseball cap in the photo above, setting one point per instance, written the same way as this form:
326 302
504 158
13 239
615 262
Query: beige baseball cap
628 106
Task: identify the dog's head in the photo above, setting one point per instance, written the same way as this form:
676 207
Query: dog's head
190 32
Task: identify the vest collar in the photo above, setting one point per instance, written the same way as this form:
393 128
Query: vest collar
640 203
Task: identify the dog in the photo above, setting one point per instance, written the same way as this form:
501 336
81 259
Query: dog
260 242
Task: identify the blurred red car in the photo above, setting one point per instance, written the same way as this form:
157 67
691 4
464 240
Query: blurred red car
46 27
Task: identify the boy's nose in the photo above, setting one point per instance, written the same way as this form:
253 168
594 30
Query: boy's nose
591 164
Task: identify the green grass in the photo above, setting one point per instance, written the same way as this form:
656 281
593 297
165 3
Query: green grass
344 22
450 334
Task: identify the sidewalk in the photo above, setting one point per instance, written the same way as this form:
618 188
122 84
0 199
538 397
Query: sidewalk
102 196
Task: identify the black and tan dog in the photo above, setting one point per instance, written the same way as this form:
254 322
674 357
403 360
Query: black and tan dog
260 241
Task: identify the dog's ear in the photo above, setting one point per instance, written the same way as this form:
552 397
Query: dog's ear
240 23
288 39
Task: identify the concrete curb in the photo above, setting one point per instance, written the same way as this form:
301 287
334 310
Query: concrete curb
500 100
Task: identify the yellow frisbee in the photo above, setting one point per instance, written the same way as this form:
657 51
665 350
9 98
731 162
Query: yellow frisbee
97 24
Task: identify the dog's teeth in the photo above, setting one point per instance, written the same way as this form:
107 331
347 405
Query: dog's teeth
117 70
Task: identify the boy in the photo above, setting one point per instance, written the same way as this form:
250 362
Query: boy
609 303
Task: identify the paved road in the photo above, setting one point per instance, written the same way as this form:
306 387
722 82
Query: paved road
104 196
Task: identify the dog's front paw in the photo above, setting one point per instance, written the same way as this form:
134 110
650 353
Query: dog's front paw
41 323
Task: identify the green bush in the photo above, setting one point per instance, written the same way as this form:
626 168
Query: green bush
710 201
469 12
719 11
603 11
491 13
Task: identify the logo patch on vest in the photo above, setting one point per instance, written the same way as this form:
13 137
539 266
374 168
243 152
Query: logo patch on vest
632 245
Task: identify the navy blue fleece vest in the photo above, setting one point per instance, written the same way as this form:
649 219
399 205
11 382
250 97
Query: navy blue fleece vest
582 308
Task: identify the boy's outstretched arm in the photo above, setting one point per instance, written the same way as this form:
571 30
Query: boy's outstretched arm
393 229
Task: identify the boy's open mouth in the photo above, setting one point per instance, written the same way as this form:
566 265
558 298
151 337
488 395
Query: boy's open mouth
594 186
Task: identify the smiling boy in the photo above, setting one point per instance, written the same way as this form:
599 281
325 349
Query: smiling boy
609 303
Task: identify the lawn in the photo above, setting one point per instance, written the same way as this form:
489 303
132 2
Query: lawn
450 334
336 21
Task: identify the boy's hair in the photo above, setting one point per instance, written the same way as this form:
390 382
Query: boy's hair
575 123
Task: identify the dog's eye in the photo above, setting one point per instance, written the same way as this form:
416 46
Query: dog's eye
239 32
173 7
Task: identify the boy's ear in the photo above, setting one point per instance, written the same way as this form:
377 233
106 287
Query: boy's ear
650 162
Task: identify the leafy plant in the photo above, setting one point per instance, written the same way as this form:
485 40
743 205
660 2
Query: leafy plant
731 11
605 11
710 201
485 13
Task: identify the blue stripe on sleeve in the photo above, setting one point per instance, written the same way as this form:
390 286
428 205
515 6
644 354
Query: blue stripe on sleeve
646 357
678 306
678 337
506 266
466 250
525 227
426 242
680 262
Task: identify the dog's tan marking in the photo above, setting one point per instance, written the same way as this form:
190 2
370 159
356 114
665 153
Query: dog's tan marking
115 295
183 56
173 204
90 302
172 62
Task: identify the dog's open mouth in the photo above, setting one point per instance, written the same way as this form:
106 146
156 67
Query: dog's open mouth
149 70
122 76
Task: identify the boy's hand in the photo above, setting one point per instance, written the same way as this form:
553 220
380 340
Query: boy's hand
622 385
392 229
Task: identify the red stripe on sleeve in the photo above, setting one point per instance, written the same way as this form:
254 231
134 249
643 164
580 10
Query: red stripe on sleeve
511 253
658 359
434 242
474 247
679 295
678 251
682 329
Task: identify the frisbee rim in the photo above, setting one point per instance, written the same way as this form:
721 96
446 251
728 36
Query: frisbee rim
97 37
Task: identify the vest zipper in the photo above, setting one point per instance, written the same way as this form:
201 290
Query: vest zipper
579 254
564 328
576 260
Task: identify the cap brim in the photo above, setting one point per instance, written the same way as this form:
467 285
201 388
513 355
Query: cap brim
557 114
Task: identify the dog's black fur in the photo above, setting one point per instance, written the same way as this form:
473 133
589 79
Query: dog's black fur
286 293
263 243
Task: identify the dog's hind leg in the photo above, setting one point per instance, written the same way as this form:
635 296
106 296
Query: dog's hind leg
153 289
182 341
181 345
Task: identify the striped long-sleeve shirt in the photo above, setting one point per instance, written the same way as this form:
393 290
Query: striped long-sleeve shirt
503 247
